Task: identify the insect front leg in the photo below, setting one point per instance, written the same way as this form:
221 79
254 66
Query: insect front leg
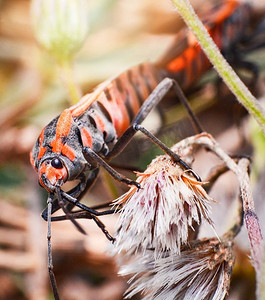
86 213
59 203
68 215
68 200
86 179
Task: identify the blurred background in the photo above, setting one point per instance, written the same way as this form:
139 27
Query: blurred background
121 34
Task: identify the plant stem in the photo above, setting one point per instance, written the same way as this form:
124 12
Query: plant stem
68 79
231 79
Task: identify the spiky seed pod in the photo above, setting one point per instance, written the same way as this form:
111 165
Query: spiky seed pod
202 271
163 213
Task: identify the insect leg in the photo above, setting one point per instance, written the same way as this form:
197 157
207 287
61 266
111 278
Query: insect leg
86 215
54 207
156 96
116 175
86 180
103 228
182 98
126 167
86 208
167 150
81 214
68 215
152 101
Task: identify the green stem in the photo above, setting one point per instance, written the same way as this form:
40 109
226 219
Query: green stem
231 79
68 79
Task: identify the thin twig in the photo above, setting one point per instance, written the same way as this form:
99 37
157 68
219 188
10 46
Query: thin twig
240 169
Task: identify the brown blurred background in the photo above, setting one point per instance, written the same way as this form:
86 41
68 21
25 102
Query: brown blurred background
122 34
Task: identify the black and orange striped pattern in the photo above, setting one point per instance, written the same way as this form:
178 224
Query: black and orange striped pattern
101 117
185 61
97 121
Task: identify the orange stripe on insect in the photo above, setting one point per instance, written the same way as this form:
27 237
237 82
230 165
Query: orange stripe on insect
217 37
120 111
52 174
183 61
150 73
42 149
41 152
63 128
137 80
129 92
86 137
99 122
64 123
82 105
115 106
57 145
176 64
87 100
225 11
68 152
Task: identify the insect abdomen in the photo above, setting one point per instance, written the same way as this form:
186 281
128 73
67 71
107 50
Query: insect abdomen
186 62
124 95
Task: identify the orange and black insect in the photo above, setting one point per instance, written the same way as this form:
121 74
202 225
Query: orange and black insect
73 144
83 137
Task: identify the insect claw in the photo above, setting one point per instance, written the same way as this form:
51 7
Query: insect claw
189 169
138 186
135 183
197 177
80 229
110 238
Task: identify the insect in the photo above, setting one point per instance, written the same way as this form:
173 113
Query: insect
73 144
87 135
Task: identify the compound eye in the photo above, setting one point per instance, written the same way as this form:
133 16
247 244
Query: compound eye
56 163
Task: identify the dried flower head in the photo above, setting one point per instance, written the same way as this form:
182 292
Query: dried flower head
163 214
201 272
60 26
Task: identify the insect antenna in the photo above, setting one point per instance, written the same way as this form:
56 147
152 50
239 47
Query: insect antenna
50 264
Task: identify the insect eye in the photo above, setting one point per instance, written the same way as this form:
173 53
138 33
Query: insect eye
56 163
